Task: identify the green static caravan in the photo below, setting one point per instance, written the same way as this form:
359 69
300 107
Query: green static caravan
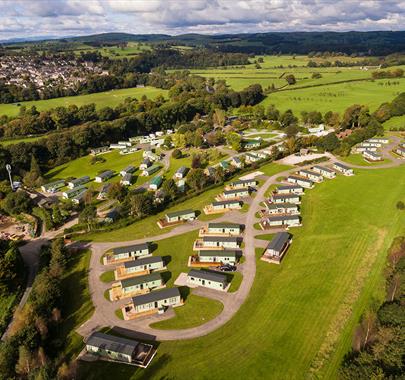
208 279
224 228
69 194
177 216
219 256
78 182
156 300
151 170
140 283
53 186
104 176
156 182
120 349
131 252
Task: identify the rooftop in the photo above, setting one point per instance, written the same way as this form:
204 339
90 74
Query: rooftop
112 343
208 275
279 241
143 261
130 248
132 281
180 213
156 295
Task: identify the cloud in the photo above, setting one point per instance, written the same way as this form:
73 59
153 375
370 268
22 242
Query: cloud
20 18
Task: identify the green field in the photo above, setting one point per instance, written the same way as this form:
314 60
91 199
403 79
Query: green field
101 99
298 319
16 141
130 50
395 122
357 159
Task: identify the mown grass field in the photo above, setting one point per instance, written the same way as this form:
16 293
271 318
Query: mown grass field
101 99
394 122
357 159
298 319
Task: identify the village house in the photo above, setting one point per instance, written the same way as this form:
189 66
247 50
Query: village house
104 176
235 161
114 348
181 172
343 169
313 176
135 285
277 248
155 183
285 198
53 186
208 279
400 151
222 206
126 179
151 170
128 169
372 156
216 257
138 267
281 221
290 189
128 253
302 181
151 303
227 229
281 208
215 242
103 191
69 194
326 172
78 181
242 184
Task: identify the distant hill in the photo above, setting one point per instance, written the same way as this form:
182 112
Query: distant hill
367 43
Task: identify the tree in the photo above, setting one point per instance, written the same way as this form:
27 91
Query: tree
400 205
290 78
117 191
291 145
288 118
17 203
329 142
272 112
196 161
291 131
177 154
219 117
141 204
88 216
219 174
170 188
179 140
24 364
57 216
196 179
234 140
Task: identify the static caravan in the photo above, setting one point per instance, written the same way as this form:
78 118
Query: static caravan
208 279
290 189
104 176
225 256
380 140
53 186
282 221
243 184
146 163
235 193
128 169
372 156
313 176
155 183
235 161
139 266
277 247
181 172
281 208
133 285
285 198
400 151
104 191
343 169
225 242
78 181
302 181
151 170
250 157
126 179
130 252
69 194
223 229
178 216
326 172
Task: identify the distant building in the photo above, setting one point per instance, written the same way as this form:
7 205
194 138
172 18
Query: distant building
104 176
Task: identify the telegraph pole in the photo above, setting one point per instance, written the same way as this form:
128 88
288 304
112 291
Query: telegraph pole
8 168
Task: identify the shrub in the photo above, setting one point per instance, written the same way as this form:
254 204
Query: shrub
177 154
400 205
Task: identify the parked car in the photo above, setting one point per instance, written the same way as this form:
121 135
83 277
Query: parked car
227 268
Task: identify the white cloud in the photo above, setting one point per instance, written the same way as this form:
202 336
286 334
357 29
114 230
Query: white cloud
20 18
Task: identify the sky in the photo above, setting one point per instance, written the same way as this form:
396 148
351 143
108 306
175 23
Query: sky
52 18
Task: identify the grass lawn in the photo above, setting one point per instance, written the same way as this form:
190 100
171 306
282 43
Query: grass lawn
394 122
357 159
100 99
262 135
196 311
236 279
273 168
23 139
305 309
107 276
77 307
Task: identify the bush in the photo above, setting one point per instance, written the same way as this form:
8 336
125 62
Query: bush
400 205
177 154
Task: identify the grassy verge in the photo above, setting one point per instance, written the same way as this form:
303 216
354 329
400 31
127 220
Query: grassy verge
107 276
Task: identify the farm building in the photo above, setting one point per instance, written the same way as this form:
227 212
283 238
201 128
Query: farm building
78 181
146 163
152 302
302 181
213 257
181 172
400 151
343 168
53 186
128 169
151 170
135 285
223 206
214 242
277 247
290 189
281 221
126 179
140 266
182 215
243 184
283 208
104 176
130 252
69 194
313 176
230 229
372 156
100 150
208 279
155 183
285 198
235 161
326 172
120 349
103 191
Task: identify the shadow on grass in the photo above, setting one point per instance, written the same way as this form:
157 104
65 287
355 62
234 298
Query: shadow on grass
153 247
166 276
166 260
184 292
